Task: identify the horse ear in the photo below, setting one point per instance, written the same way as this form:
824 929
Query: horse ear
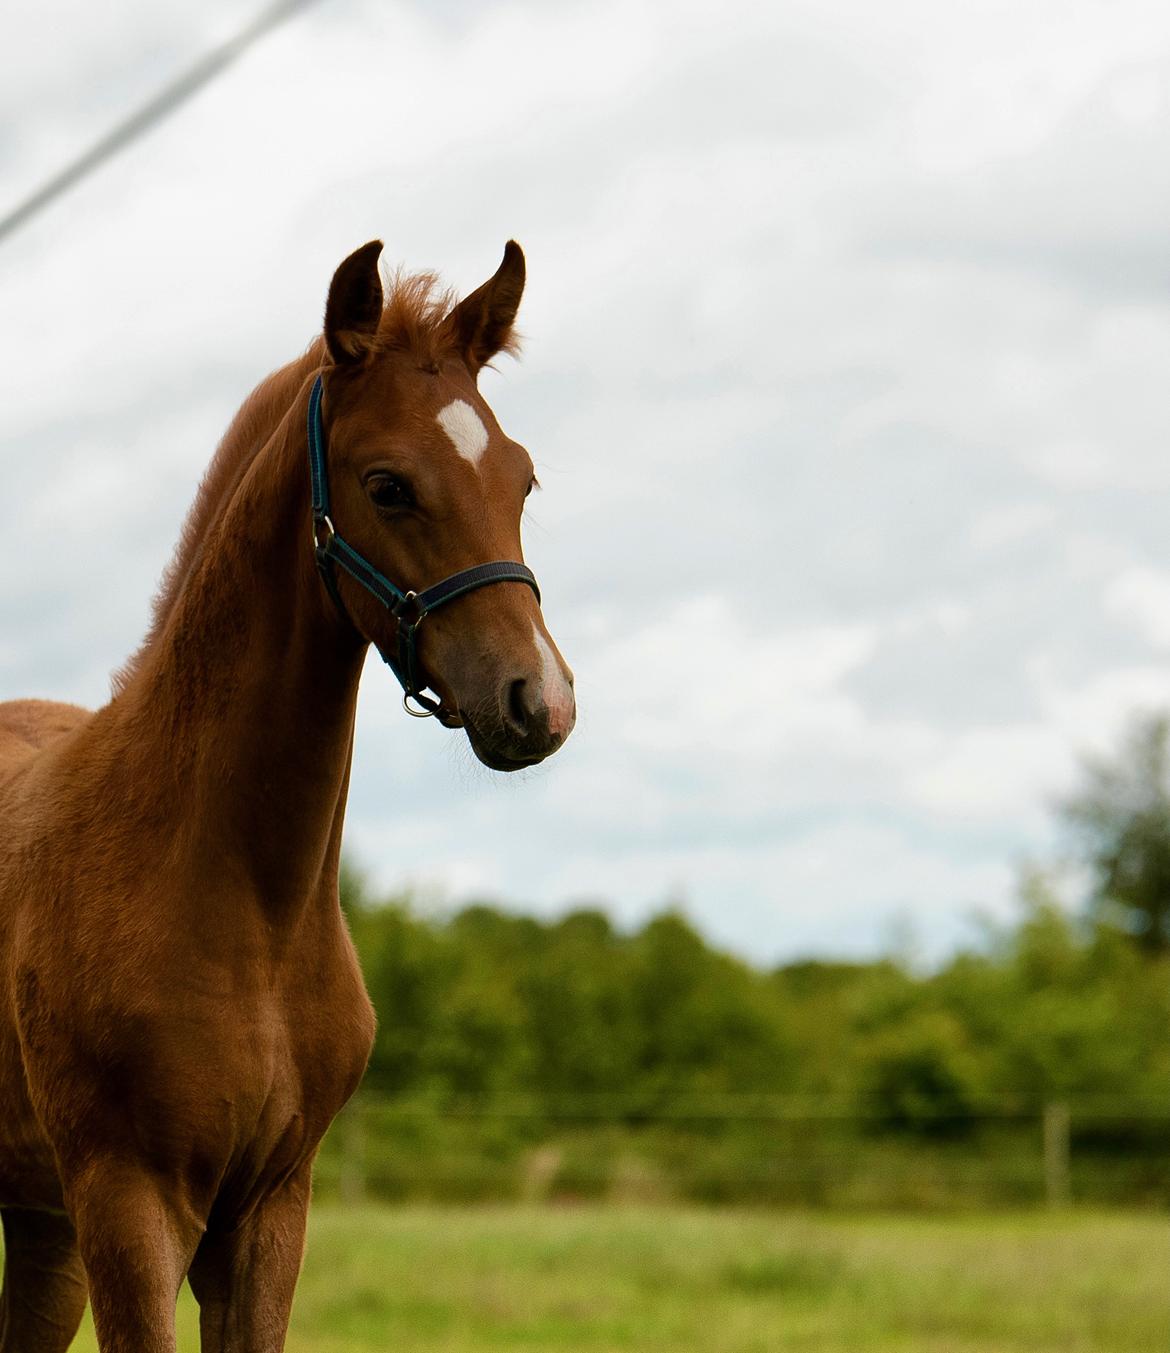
354 308
483 321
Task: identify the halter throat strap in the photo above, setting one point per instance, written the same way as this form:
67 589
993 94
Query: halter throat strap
409 609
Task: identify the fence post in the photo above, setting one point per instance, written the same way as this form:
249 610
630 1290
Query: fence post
1057 1182
351 1183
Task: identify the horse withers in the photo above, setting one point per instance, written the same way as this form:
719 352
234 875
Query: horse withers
181 1009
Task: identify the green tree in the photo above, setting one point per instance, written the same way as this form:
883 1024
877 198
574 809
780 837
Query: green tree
921 1074
1121 818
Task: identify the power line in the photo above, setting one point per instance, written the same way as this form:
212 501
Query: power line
153 111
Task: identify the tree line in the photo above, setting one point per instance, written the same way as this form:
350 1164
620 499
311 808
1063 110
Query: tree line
584 1029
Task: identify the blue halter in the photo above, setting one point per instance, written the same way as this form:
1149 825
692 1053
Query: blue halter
409 609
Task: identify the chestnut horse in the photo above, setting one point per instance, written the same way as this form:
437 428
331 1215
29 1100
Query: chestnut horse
181 1009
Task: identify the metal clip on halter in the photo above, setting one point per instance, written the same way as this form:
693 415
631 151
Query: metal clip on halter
322 524
329 549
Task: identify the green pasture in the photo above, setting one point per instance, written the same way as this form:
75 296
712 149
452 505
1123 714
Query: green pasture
729 1281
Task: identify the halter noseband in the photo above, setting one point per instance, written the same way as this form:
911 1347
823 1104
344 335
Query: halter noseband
409 609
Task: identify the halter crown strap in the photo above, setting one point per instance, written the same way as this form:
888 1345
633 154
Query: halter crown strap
409 609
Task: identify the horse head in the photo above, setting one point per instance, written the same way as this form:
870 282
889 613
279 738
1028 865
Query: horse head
422 504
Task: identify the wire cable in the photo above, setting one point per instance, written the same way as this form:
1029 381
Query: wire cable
150 114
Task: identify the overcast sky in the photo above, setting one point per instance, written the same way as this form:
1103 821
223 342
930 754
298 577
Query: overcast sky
848 343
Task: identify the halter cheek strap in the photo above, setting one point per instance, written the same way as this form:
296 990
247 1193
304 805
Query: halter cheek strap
409 609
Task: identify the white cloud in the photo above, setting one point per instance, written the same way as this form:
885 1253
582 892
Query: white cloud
1011 522
992 773
1141 595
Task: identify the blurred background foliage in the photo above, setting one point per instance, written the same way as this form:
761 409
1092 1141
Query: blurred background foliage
520 1058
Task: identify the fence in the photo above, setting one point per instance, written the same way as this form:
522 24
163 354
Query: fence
776 1150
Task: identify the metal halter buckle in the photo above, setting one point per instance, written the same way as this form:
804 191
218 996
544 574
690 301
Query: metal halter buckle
408 602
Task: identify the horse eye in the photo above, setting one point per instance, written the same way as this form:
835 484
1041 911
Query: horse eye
533 483
388 490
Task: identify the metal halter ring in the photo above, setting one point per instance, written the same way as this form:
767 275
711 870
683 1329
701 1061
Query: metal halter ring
422 712
322 524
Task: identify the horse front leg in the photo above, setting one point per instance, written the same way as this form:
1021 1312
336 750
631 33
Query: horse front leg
244 1278
44 1283
137 1238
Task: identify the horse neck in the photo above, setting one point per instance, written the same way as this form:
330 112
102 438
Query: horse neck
245 706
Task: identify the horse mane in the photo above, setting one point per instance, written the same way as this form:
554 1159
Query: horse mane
415 320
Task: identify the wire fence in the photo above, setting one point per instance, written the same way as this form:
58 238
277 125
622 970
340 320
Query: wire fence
159 107
1009 1150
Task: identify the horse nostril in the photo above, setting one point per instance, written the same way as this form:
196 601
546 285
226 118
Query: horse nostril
517 709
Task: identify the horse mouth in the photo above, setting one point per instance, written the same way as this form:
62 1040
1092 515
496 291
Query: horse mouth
497 754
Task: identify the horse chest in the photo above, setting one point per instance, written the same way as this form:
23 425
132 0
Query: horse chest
295 1064
292 1053
296 1053
226 1080
282 1076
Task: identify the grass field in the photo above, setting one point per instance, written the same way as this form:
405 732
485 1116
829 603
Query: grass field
610 1280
